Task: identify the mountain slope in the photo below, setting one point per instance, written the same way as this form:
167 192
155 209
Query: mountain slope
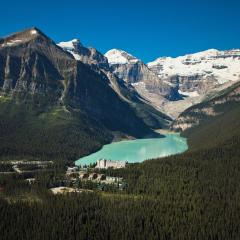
135 72
213 121
99 63
37 77
195 75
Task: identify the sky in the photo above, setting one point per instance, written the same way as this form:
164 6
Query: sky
146 29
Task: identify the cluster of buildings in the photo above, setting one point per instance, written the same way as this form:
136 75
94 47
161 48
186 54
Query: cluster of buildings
102 164
97 177
84 174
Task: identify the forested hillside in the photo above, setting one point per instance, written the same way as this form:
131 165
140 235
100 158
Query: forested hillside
55 133
214 121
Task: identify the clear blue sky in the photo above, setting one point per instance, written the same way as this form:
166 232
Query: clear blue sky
147 29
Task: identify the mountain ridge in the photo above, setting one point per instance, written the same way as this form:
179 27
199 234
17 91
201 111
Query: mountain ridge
99 63
190 78
125 97
213 121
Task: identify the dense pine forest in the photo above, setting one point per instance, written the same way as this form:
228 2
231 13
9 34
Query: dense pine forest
190 196
194 195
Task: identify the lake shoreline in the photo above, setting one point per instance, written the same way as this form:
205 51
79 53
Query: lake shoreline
157 133
138 150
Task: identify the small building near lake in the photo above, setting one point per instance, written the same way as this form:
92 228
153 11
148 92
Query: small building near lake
110 179
104 164
71 170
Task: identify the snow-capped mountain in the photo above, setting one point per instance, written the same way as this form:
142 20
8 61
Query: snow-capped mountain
195 73
189 78
116 56
99 64
86 55
169 84
72 47
134 72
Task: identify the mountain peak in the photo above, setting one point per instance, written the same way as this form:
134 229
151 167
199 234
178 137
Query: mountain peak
22 37
117 56
210 53
86 55
34 30
70 45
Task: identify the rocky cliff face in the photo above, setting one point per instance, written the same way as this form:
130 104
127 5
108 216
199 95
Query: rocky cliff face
31 63
124 89
133 71
86 55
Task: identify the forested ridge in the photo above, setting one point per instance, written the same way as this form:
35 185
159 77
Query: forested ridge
217 119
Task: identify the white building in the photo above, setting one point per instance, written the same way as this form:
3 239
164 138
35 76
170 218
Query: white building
104 164
71 170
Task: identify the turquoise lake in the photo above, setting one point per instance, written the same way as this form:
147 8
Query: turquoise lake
138 150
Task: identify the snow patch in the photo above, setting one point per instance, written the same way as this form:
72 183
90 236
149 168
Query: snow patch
138 84
116 56
75 55
33 32
66 45
189 94
69 45
12 42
